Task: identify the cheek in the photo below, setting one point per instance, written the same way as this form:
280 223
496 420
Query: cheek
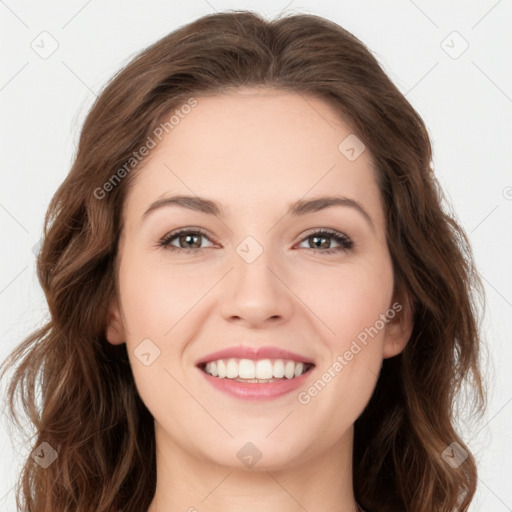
367 299
345 298
154 299
352 354
350 310
349 298
156 296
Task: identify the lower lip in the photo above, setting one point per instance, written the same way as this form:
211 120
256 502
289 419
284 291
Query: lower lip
254 391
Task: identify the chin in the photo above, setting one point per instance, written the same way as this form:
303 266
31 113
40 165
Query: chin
242 454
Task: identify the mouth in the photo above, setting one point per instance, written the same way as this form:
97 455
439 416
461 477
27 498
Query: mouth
256 380
255 373
260 371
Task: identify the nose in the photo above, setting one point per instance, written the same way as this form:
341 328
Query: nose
256 294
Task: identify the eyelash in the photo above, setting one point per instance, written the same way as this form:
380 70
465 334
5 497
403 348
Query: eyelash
344 241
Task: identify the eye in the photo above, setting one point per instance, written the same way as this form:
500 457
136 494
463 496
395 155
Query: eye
317 237
189 238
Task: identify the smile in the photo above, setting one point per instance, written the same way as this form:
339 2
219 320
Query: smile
255 371
256 380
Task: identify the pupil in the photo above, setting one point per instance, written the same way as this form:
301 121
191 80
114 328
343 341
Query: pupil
316 238
189 238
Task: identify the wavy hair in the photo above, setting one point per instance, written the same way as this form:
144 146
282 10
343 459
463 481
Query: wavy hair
77 390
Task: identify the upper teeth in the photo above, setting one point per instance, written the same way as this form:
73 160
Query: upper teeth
260 369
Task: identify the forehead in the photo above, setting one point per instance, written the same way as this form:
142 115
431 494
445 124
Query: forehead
255 146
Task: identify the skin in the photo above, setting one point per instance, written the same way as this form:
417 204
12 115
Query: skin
255 151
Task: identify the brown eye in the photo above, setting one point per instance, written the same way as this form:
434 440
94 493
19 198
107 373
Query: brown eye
186 240
321 240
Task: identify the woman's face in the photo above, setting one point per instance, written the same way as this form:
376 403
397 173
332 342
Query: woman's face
249 273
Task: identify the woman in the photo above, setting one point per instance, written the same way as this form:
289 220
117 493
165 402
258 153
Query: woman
257 300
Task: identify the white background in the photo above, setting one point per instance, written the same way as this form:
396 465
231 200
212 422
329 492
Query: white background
466 103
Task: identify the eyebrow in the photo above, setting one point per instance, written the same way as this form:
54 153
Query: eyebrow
300 207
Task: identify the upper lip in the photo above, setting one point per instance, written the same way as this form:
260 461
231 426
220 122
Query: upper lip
254 353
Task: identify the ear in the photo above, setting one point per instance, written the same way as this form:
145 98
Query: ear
115 332
399 328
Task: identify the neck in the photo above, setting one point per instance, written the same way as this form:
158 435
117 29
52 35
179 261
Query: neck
194 483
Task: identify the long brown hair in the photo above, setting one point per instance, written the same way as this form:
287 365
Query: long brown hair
77 389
